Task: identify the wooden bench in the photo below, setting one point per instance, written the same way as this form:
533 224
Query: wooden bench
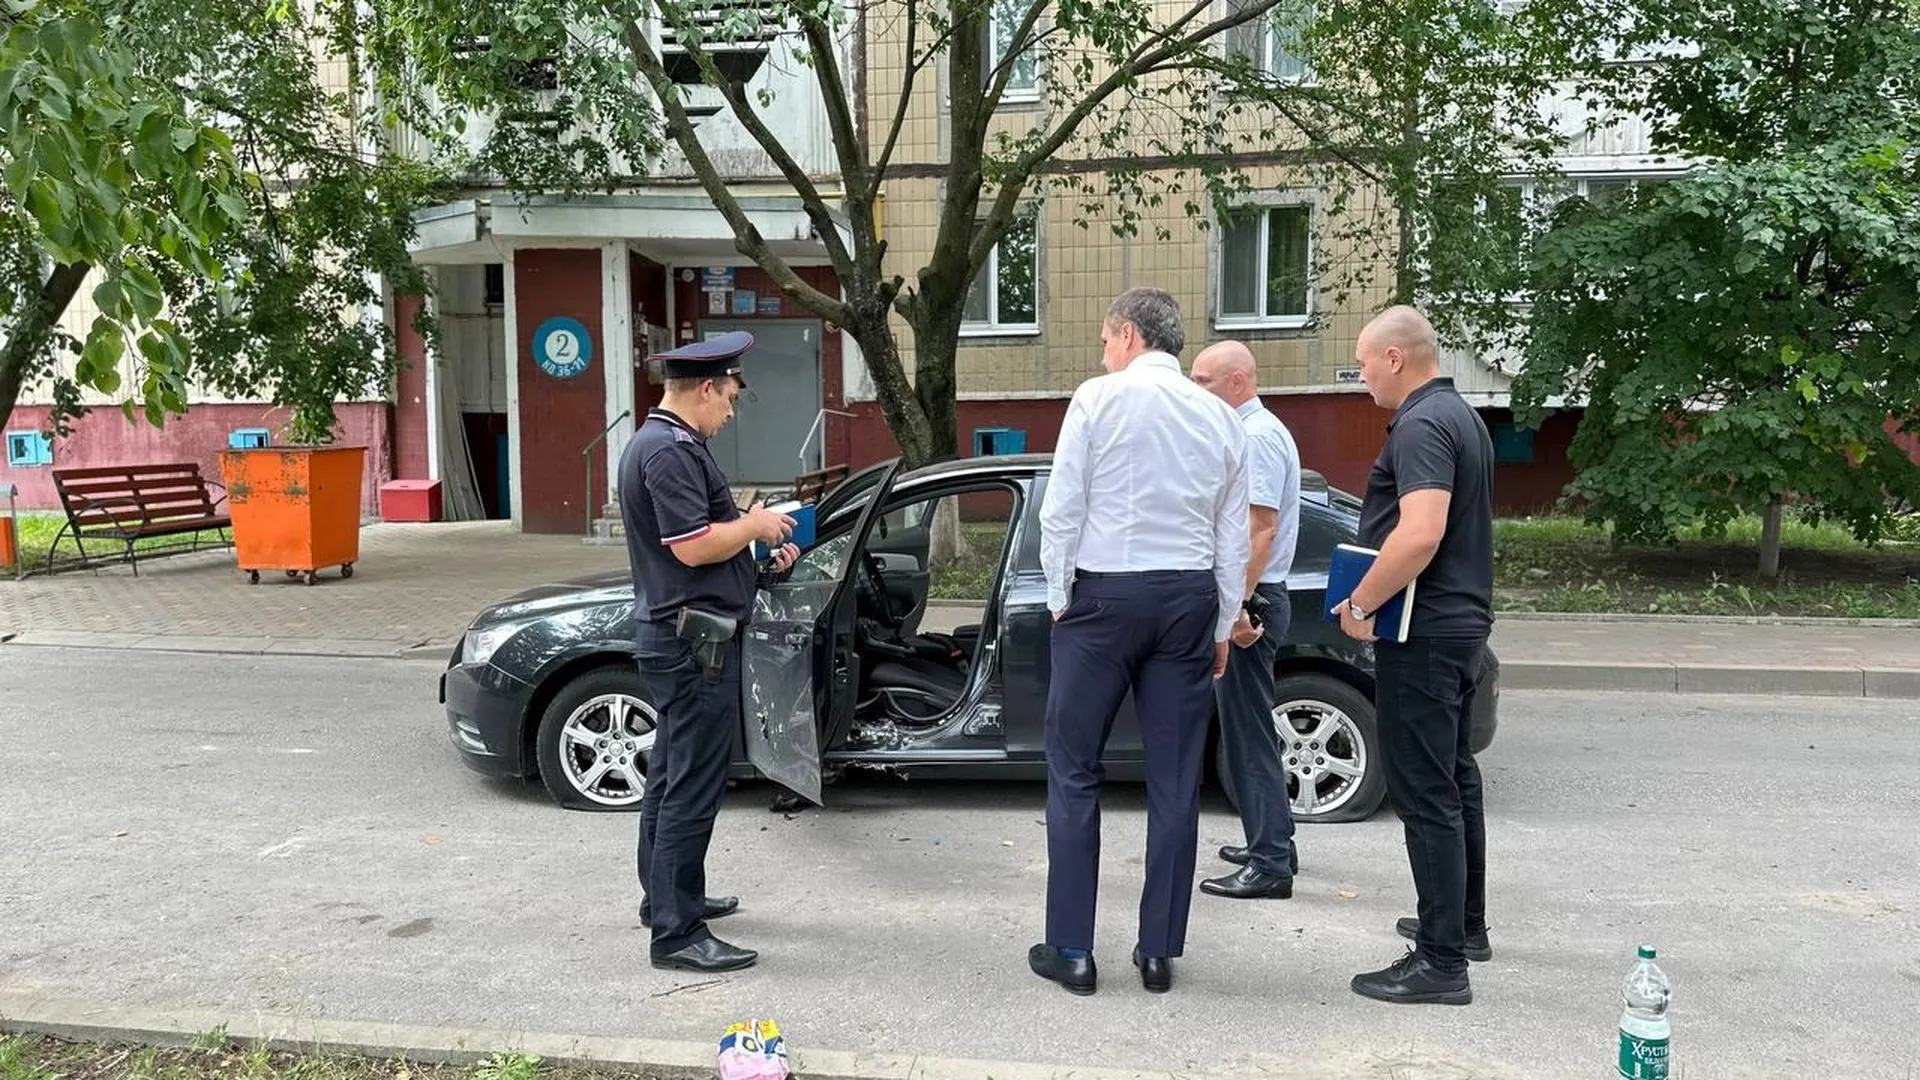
810 487
131 503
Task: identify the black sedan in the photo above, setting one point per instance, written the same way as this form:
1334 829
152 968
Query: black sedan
839 671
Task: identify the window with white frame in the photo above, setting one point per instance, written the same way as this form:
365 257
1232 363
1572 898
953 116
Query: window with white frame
1522 208
1265 268
1003 22
1271 43
1005 297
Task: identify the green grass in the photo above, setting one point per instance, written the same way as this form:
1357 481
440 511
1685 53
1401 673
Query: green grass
970 577
1563 564
214 1057
35 531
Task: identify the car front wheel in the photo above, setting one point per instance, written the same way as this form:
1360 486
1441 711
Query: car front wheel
595 739
1329 750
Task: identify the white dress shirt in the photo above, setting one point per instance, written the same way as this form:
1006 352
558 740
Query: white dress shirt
1149 473
1273 467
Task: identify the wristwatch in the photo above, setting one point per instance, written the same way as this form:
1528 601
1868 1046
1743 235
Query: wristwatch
1359 613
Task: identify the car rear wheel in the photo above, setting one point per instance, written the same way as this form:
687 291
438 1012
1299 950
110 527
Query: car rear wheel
1329 749
596 737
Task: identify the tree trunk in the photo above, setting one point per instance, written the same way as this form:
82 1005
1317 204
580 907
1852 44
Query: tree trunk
1770 540
949 540
935 349
33 333
898 404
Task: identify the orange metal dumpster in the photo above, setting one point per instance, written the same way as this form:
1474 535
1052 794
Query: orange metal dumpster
295 508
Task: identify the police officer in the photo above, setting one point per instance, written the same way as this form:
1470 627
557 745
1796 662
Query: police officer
693 577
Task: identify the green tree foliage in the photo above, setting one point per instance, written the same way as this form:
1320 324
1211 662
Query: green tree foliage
1748 335
1140 106
241 224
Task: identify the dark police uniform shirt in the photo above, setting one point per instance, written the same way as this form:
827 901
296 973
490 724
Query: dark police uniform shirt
1436 440
672 491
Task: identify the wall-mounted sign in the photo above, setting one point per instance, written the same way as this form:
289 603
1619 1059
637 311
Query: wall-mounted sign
716 279
562 347
1351 374
770 305
743 300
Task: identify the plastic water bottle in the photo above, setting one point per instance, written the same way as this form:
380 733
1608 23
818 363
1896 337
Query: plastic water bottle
1644 1029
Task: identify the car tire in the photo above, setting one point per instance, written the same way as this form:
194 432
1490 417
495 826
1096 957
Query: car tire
1314 699
588 703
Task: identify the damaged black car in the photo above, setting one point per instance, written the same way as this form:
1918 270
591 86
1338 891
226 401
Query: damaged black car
912 636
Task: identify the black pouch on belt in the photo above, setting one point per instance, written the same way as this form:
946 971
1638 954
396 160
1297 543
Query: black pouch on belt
709 635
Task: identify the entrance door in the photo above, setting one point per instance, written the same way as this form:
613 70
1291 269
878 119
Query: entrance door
772 418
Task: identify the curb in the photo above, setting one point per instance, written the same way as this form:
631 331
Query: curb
332 648
63 1018
1710 620
1569 675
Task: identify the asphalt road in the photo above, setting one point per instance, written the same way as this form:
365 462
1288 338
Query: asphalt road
297 836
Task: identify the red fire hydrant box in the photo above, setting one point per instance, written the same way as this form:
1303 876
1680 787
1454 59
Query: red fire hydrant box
410 500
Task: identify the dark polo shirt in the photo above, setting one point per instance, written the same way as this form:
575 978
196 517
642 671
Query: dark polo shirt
1436 440
672 491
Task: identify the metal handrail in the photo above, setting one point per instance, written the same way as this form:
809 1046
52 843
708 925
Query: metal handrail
819 421
587 452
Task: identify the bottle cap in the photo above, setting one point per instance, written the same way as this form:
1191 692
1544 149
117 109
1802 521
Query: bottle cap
1646 952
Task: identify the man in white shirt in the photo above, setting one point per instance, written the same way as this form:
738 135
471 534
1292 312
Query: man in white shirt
1245 692
1144 544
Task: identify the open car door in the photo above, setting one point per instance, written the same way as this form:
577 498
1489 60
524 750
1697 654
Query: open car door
799 668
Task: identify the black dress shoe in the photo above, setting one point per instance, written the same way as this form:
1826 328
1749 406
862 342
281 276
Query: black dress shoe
717 907
1156 972
1247 883
1411 980
1238 856
708 954
1477 946
1078 975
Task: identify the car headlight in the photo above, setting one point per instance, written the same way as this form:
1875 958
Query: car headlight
482 643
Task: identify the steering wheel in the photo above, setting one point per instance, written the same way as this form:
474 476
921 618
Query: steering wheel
870 589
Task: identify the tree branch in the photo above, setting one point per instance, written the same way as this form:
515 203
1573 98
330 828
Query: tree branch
746 236
1023 40
1142 60
34 329
833 90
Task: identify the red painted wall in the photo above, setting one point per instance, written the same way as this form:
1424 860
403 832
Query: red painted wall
103 437
558 416
410 455
1339 435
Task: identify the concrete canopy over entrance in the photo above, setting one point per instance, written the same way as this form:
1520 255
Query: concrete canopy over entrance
584 291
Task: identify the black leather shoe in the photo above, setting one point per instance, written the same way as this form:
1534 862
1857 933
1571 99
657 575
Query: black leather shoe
1078 976
1156 972
1238 856
1247 883
1411 980
708 954
1477 946
718 907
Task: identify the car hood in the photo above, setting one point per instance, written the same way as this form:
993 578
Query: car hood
607 587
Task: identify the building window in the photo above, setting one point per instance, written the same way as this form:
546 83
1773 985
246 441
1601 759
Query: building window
1003 21
1265 269
1271 43
1004 297
1523 208
26 449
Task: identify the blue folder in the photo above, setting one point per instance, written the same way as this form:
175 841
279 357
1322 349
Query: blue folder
1351 563
802 537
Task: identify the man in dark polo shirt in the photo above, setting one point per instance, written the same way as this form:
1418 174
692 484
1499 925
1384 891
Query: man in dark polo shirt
691 550
1429 512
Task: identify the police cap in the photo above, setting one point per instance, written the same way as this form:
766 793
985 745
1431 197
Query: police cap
710 359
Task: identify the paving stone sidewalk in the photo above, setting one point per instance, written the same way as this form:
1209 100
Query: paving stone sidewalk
415 587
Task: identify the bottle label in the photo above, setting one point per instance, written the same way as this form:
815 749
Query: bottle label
1642 1058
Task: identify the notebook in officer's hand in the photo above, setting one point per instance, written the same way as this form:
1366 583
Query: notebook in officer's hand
1351 563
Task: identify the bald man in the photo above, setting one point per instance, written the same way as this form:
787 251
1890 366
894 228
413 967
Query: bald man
1429 512
1244 695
